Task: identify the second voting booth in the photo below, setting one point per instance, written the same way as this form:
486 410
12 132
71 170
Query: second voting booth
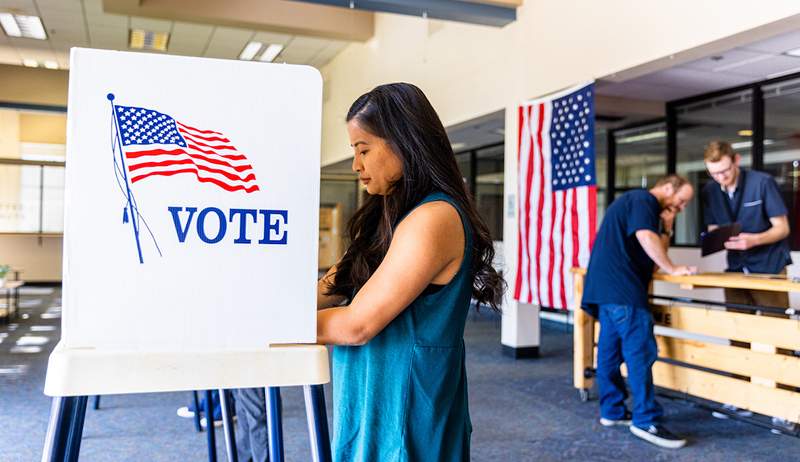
191 229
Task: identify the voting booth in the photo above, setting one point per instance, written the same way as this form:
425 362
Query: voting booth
191 230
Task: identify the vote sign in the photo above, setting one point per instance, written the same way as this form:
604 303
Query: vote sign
191 203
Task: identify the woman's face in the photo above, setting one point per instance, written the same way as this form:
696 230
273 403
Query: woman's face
377 165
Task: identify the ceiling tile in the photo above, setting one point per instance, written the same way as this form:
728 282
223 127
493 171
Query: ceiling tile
189 39
778 44
20 6
772 65
272 38
730 57
108 20
693 79
47 7
155 25
227 42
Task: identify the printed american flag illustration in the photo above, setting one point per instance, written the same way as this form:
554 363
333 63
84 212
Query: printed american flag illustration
557 205
155 144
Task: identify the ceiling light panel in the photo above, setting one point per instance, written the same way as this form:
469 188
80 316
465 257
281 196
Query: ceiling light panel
148 40
271 53
250 51
18 25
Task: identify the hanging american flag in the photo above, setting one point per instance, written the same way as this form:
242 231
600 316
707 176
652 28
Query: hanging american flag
557 206
155 144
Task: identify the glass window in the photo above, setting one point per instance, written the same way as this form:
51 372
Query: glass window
782 146
641 156
601 170
489 188
728 118
19 198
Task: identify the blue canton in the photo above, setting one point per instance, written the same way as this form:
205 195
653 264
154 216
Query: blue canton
144 126
572 140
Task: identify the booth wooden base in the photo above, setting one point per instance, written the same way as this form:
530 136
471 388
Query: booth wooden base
74 374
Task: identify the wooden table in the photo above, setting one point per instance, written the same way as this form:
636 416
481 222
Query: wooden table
11 288
761 378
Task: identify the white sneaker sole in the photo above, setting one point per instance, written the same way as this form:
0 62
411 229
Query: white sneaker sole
611 423
660 442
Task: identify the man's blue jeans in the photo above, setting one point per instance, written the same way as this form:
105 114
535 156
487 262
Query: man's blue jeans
626 335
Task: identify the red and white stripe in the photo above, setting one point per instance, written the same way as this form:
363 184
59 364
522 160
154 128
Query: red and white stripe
556 229
208 155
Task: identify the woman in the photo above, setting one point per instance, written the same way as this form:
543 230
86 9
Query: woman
418 252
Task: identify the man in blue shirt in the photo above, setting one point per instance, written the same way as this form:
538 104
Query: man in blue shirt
634 235
752 199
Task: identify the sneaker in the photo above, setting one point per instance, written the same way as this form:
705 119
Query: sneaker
185 412
659 436
731 410
625 420
217 423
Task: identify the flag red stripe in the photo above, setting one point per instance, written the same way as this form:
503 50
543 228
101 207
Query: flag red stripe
540 212
194 140
219 183
576 243
176 152
197 129
518 283
592 215
166 163
562 287
204 138
552 247
155 152
529 182
195 146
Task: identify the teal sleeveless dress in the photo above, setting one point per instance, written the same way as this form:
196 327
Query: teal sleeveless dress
403 395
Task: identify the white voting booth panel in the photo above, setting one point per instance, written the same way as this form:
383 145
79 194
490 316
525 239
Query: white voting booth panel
191 223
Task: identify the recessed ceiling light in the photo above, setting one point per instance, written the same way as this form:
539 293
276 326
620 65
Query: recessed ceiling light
793 52
745 132
18 25
148 40
30 63
271 53
250 51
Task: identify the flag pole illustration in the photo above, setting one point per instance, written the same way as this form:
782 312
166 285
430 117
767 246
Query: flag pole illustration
129 205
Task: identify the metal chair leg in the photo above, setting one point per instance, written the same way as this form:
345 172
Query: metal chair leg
58 429
212 443
317 417
274 424
76 430
197 425
227 424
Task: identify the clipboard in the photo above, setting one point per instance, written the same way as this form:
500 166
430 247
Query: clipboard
714 241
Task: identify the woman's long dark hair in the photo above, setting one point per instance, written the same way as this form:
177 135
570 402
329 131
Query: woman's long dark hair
400 114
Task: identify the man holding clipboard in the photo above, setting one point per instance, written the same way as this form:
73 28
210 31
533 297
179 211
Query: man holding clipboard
748 204
744 212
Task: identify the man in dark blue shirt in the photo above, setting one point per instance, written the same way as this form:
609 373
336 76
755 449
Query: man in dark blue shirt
634 235
752 199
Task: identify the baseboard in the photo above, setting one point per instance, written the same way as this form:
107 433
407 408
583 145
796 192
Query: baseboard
521 352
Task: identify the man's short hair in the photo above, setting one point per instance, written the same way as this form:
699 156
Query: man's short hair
718 149
676 181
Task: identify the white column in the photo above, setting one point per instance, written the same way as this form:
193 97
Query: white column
520 334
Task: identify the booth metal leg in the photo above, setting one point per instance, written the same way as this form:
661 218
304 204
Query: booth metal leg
64 431
197 425
96 404
227 424
274 424
211 438
317 423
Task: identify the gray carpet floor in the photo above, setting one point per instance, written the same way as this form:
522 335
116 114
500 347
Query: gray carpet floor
522 410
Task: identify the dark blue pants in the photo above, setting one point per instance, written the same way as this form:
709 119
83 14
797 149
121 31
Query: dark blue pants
626 335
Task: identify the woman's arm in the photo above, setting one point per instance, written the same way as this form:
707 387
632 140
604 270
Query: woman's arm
428 245
323 300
